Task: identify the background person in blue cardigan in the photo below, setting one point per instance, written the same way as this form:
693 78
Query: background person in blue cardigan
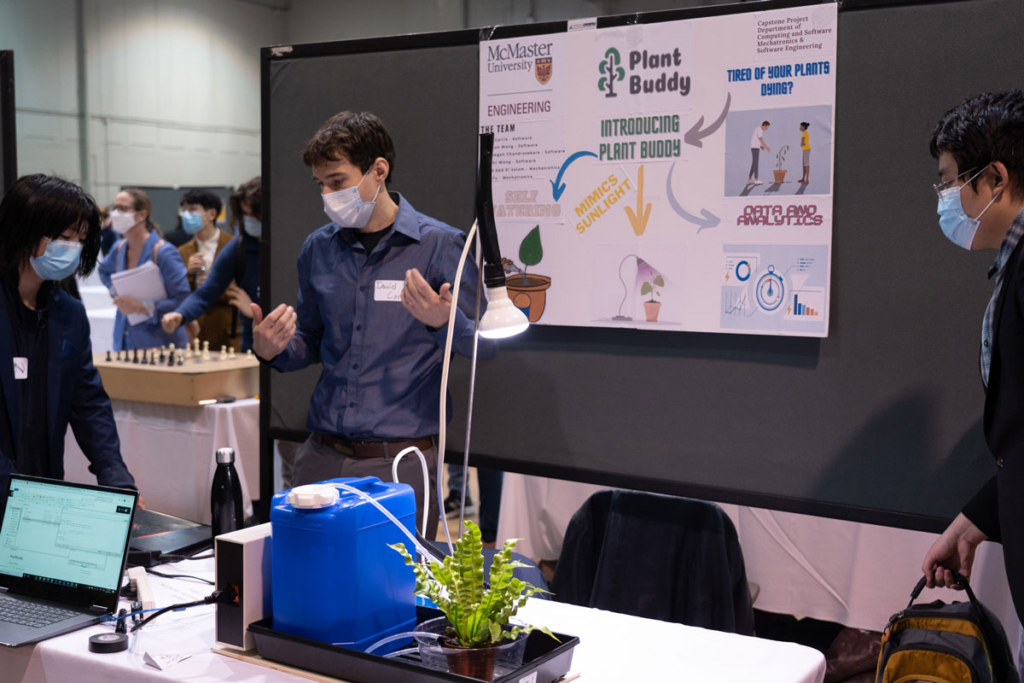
49 230
235 273
130 216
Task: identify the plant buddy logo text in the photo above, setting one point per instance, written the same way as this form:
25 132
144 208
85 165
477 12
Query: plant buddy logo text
653 72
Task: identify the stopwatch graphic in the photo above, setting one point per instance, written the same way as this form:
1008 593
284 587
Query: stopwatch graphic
770 290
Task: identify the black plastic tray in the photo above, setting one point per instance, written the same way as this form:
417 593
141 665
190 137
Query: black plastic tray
548 658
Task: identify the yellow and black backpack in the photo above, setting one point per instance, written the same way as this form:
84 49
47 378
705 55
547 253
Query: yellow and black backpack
962 642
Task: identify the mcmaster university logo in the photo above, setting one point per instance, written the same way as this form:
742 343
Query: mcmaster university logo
610 72
542 70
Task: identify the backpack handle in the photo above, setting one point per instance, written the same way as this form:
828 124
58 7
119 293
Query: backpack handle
959 578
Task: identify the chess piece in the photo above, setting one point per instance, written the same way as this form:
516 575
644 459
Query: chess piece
170 358
181 360
248 353
231 353
163 356
108 356
135 356
223 352
197 346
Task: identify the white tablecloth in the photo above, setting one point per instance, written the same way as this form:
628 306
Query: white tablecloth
854 574
613 648
170 451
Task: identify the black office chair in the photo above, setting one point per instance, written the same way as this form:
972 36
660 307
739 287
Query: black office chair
659 557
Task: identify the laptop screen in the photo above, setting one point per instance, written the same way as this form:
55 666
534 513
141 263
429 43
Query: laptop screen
65 541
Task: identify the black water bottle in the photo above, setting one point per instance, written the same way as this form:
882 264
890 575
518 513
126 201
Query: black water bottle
226 495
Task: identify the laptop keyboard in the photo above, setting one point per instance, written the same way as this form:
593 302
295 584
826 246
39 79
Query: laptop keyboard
31 614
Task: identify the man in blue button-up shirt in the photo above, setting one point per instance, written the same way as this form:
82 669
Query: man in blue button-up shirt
373 306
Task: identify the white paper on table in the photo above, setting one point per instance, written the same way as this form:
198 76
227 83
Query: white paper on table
164 661
145 284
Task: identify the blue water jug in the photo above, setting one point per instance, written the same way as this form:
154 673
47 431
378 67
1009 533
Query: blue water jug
333 577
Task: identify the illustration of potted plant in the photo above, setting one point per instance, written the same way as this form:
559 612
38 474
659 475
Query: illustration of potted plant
528 292
474 634
780 158
651 285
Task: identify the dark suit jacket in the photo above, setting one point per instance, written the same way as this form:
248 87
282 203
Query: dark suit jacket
215 326
1004 398
75 396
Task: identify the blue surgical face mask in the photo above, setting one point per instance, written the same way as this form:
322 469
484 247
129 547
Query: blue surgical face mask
60 260
192 222
252 226
347 208
955 223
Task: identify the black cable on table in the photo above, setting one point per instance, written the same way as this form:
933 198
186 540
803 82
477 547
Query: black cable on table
179 576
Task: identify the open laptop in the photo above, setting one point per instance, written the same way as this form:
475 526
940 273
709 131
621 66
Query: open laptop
62 555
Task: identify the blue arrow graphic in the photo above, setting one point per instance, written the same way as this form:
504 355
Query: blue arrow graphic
557 186
706 218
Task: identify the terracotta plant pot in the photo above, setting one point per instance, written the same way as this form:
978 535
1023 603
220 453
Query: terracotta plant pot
532 292
652 308
482 663
474 662
780 176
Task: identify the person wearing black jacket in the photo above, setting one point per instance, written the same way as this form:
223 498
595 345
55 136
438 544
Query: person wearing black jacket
50 230
980 149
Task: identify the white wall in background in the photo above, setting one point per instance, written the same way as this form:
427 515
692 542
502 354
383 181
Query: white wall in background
173 89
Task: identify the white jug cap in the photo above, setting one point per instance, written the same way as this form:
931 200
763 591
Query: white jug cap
313 496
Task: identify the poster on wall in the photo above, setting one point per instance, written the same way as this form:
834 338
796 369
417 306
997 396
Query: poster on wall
671 176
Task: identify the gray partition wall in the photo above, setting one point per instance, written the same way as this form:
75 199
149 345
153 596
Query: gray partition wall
880 422
8 147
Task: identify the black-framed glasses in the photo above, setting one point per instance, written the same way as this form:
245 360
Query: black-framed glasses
946 184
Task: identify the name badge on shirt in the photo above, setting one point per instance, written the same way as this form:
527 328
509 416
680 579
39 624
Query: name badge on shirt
388 290
21 368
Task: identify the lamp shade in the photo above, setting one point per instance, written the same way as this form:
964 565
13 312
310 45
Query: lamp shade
502 318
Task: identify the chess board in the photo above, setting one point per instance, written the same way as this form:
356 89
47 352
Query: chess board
193 382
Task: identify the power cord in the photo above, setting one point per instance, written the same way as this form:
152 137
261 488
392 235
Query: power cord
179 576
224 596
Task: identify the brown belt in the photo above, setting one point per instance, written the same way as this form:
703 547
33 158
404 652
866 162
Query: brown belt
371 449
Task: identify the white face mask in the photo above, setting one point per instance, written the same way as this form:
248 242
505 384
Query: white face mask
122 221
347 208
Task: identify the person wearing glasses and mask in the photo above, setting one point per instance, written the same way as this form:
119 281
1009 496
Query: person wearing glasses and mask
200 209
142 243
235 275
980 149
49 231
381 351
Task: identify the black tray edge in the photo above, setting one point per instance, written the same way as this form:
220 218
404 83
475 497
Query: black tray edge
359 667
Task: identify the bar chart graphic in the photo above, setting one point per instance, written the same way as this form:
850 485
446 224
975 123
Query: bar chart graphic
806 304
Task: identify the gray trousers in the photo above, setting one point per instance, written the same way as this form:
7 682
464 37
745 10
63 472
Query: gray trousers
315 462
755 152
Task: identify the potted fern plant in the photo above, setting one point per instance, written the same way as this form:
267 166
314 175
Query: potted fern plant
474 636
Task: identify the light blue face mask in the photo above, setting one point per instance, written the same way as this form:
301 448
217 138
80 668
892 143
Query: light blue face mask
252 226
955 223
60 260
347 208
192 222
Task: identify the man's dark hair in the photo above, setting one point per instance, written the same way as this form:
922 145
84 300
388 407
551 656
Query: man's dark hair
765 123
805 125
984 129
357 136
39 206
204 198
